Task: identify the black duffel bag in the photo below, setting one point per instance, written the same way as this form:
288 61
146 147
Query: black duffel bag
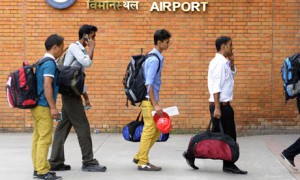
70 80
212 145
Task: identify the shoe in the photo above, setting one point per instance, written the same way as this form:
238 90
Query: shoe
35 174
289 161
189 161
61 167
135 161
48 176
234 169
148 167
93 168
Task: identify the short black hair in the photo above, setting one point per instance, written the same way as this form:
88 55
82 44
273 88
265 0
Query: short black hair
221 40
86 29
52 40
161 35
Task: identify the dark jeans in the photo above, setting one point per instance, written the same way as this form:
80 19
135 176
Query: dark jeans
73 115
293 150
227 121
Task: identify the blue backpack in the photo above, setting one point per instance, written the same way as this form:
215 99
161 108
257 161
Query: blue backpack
133 131
290 73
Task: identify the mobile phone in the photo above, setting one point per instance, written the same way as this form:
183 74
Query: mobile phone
86 38
59 117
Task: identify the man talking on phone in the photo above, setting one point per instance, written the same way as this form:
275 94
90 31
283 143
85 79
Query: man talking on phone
73 113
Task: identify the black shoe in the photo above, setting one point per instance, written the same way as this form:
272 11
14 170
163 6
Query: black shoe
48 176
189 161
93 168
234 169
35 174
289 161
61 167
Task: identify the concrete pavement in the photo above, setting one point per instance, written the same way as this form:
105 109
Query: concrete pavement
259 156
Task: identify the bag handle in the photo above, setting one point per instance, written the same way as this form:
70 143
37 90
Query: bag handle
220 125
138 117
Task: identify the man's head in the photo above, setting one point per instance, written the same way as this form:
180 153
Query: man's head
162 39
87 31
224 45
54 45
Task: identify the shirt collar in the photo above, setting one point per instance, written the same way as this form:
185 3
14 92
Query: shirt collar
49 55
80 45
220 56
158 53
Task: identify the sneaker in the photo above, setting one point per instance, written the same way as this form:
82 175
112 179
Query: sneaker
289 161
135 161
148 167
61 167
35 173
93 168
48 176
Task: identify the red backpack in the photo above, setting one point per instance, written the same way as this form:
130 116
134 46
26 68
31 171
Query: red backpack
21 86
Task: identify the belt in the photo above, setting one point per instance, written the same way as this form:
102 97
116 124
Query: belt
221 103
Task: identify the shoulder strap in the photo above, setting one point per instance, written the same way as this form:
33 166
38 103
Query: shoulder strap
75 58
153 54
40 62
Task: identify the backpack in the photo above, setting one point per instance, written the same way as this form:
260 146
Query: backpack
133 131
21 86
134 81
290 76
71 78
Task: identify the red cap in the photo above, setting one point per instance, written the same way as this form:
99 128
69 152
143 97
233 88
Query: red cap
163 124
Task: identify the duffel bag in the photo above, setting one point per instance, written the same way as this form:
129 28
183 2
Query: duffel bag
133 131
211 145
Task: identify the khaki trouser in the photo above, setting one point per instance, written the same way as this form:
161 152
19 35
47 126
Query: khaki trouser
42 138
149 135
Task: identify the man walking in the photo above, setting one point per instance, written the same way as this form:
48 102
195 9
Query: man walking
46 111
152 68
220 85
73 114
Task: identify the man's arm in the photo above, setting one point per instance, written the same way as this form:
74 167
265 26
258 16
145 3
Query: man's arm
157 108
48 90
217 112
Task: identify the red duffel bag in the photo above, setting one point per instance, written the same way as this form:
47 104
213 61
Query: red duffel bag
211 145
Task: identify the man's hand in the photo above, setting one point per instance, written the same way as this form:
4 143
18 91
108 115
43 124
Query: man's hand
217 113
54 113
91 43
159 110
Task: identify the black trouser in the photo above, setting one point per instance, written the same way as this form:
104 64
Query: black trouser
293 150
227 121
73 115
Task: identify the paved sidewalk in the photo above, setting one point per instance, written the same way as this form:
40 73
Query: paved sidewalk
259 156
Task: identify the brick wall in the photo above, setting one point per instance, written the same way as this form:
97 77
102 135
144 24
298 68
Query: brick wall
263 33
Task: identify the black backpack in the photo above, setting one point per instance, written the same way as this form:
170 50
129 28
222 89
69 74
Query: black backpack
21 86
71 78
134 81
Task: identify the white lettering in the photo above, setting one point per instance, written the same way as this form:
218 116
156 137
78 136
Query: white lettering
186 4
167 5
176 5
195 5
154 6
173 6
204 5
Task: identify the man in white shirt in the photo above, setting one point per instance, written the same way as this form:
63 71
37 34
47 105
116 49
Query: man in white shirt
220 85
